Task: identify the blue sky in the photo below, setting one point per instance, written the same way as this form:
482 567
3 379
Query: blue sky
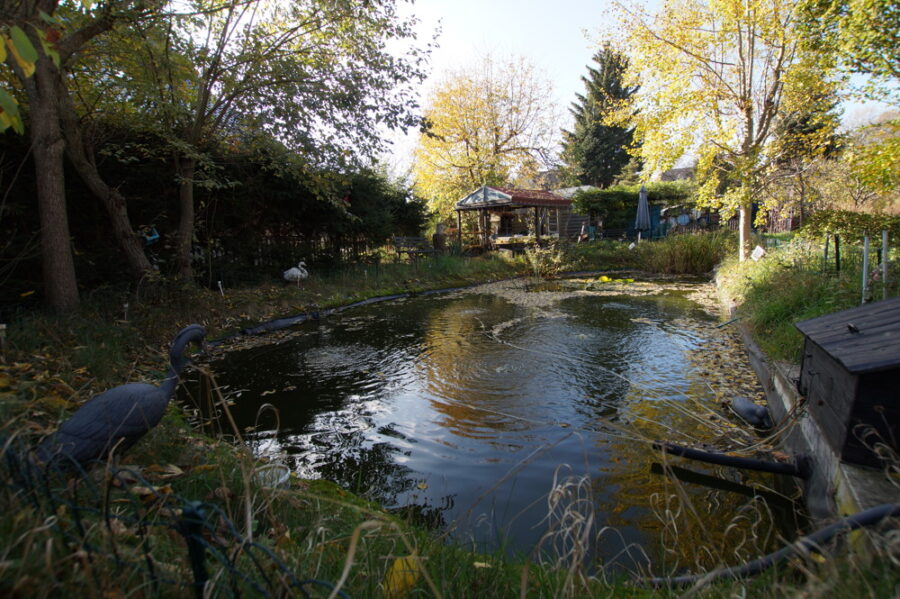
557 36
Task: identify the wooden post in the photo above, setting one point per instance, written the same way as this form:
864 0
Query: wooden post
865 269
827 241
537 225
884 264
459 229
837 253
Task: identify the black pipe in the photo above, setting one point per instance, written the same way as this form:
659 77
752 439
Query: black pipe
811 542
801 469
775 500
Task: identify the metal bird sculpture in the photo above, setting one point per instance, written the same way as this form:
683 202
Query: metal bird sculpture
116 419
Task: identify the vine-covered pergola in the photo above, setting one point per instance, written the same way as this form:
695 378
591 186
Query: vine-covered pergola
506 213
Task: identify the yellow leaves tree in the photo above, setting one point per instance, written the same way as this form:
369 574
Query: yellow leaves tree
716 76
490 124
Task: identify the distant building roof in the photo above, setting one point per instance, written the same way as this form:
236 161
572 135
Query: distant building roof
569 192
863 339
491 197
678 174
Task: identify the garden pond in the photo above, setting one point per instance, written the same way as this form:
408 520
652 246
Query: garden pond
519 416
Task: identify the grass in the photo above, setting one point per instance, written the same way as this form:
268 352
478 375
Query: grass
316 529
792 283
689 254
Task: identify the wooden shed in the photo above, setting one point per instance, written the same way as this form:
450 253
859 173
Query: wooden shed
850 375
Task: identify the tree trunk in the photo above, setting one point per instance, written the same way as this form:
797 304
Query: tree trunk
60 286
744 230
128 241
185 168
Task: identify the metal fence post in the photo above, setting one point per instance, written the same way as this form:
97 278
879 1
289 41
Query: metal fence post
865 269
191 528
885 258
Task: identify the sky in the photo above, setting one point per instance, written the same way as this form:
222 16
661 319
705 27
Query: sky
553 34
558 36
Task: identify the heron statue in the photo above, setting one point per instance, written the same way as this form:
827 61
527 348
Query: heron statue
116 419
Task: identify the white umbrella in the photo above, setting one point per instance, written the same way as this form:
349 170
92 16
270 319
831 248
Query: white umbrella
642 220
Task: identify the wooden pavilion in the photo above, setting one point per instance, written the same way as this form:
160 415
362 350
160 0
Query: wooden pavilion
508 217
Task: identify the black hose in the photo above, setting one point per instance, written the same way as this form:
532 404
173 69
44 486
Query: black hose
811 542
801 469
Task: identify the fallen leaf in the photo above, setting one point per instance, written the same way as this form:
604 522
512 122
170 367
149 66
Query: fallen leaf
401 577
148 494
221 493
167 471
117 528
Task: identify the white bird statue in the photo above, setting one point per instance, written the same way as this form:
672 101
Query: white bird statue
297 273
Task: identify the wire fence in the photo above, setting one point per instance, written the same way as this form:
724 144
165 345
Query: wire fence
121 524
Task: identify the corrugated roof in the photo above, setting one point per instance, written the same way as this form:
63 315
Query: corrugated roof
487 197
863 339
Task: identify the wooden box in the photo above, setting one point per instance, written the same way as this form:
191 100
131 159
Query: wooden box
850 375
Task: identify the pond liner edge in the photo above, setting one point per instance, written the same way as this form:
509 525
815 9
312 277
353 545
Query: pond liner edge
278 324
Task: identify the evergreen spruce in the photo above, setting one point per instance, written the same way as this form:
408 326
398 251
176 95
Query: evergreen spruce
595 153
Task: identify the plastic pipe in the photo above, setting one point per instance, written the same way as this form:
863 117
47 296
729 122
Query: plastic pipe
801 469
805 544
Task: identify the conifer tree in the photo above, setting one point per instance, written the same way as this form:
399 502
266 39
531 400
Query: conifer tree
594 152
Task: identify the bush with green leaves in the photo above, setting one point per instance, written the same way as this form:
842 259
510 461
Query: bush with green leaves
849 225
616 205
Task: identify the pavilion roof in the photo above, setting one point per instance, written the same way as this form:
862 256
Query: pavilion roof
510 197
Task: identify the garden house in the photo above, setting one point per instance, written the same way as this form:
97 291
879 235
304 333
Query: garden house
849 374
505 217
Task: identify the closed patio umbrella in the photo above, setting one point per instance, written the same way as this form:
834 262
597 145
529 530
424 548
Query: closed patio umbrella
642 220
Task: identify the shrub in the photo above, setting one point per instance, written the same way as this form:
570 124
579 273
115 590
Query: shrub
689 254
849 225
617 204
546 261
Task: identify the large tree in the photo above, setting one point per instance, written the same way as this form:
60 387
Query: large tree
715 78
801 142
316 75
484 125
42 43
865 34
595 152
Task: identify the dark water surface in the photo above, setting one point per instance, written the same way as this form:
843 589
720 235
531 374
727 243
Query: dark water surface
465 408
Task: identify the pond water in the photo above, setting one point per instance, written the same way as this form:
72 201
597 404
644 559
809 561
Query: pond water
465 410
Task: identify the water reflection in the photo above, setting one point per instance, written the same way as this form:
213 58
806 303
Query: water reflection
460 409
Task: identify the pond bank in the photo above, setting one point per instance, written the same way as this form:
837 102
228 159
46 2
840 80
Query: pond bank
455 572
835 488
